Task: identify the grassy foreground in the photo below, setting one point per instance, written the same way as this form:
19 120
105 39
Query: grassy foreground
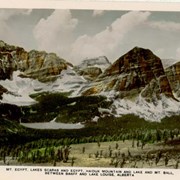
123 154
127 141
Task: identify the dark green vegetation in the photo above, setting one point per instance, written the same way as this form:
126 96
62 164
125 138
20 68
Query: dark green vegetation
10 111
49 146
75 109
42 146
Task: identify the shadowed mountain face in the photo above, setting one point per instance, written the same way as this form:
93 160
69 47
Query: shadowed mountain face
34 64
137 70
173 74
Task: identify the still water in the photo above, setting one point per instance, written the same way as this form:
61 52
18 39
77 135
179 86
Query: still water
52 125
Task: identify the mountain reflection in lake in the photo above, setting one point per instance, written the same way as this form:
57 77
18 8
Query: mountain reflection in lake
52 125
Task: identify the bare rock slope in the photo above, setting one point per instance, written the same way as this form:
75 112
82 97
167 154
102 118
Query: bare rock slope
34 64
173 74
138 71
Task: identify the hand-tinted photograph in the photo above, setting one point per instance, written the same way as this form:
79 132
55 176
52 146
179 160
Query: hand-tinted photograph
90 88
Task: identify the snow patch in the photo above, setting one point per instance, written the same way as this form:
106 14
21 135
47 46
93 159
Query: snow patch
149 111
21 88
69 80
95 119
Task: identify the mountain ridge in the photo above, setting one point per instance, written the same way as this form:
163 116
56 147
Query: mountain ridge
91 68
33 64
135 83
134 70
173 74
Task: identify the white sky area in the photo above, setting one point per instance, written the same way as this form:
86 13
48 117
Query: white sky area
79 34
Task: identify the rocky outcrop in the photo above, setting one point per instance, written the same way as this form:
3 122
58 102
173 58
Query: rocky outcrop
90 69
154 89
131 73
2 90
90 73
34 64
173 74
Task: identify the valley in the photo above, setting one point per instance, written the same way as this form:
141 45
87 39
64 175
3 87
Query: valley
95 114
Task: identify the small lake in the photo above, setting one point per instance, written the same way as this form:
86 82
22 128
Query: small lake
52 125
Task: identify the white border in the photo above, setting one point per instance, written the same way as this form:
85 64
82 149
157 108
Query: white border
113 5
54 4
35 175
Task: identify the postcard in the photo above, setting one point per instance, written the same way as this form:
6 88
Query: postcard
89 91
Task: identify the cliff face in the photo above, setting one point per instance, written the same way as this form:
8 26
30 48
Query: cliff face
135 83
34 64
137 69
173 74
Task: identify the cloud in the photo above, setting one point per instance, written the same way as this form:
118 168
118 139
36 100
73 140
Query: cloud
178 53
54 34
98 13
58 33
5 14
159 52
164 25
7 34
105 42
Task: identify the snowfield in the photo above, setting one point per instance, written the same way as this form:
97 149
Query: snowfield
20 89
149 111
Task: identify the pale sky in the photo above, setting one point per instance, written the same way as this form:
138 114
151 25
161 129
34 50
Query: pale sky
79 34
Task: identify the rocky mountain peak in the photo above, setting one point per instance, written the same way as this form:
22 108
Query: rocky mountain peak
135 83
90 69
34 64
131 73
100 61
138 60
173 75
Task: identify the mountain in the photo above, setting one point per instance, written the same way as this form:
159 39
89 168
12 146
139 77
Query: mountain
24 73
136 83
173 74
34 64
137 70
90 69
18 90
